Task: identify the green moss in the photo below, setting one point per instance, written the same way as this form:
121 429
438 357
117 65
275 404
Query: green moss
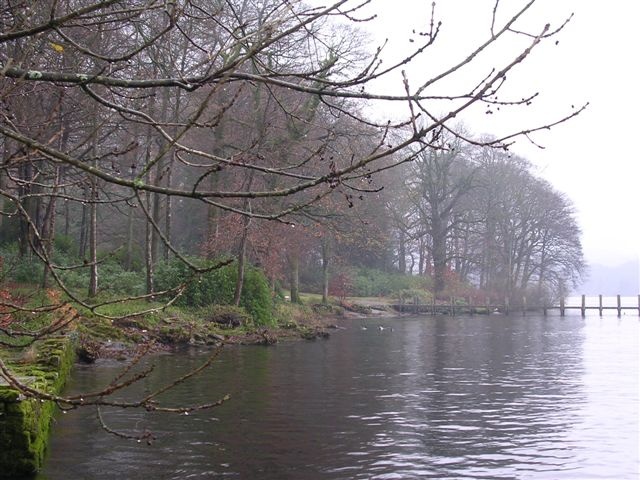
8 395
101 329
25 423
172 334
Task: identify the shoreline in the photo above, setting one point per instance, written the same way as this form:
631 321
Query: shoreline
122 340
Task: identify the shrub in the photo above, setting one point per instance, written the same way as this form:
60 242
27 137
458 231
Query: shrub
410 294
19 269
290 315
217 287
369 282
65 244
136 262
112 277
340 285
256 296
75 279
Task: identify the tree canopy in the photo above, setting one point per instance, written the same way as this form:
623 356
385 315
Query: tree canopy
243 130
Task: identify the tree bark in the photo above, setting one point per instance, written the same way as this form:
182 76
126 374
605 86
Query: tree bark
82 240
48 233
402 253
129 256
93 239
439 254
149 251
326 260
294 281
242 254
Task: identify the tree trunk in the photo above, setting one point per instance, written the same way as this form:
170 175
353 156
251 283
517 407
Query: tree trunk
148 249
326 259
129 256
67 217
156 211
243 244
421 257
402 253
213 213
294 282
82 240
241 261
25 231
3 184
155 216
439 253
167 215
93 239
48 233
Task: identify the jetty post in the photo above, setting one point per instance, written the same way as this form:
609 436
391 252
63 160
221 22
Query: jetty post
583 305
600 304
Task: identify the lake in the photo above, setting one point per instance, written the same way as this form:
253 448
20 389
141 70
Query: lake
482 397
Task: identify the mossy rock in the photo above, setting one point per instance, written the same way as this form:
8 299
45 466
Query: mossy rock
102 329
8 394
175 334
25 423
207 338
133 322
356 308
228 316
327 309
266 337
313 333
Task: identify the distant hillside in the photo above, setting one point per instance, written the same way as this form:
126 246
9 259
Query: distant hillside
607 280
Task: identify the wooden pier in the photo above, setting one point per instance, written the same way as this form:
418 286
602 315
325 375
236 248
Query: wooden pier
469 308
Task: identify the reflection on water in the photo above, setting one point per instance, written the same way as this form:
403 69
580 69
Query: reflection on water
465 397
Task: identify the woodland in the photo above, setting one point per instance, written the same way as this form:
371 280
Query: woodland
195 152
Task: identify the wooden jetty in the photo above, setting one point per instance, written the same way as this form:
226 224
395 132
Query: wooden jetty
456 307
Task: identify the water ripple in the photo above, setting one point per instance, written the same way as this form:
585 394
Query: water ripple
454 398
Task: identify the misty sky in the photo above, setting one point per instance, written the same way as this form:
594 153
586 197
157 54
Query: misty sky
593 158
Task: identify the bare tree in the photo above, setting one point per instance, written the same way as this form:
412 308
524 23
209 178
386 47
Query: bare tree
181 71
441 178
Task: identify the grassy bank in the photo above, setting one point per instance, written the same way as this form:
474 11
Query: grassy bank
168 326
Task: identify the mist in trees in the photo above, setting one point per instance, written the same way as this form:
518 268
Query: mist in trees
482 217
139 133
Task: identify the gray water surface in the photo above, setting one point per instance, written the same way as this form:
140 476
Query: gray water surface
467 397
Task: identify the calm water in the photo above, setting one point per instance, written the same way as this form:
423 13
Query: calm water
466 397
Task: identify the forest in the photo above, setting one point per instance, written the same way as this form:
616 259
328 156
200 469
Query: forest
182 173
209 152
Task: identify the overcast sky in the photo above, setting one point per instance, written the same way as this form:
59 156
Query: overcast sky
594 158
